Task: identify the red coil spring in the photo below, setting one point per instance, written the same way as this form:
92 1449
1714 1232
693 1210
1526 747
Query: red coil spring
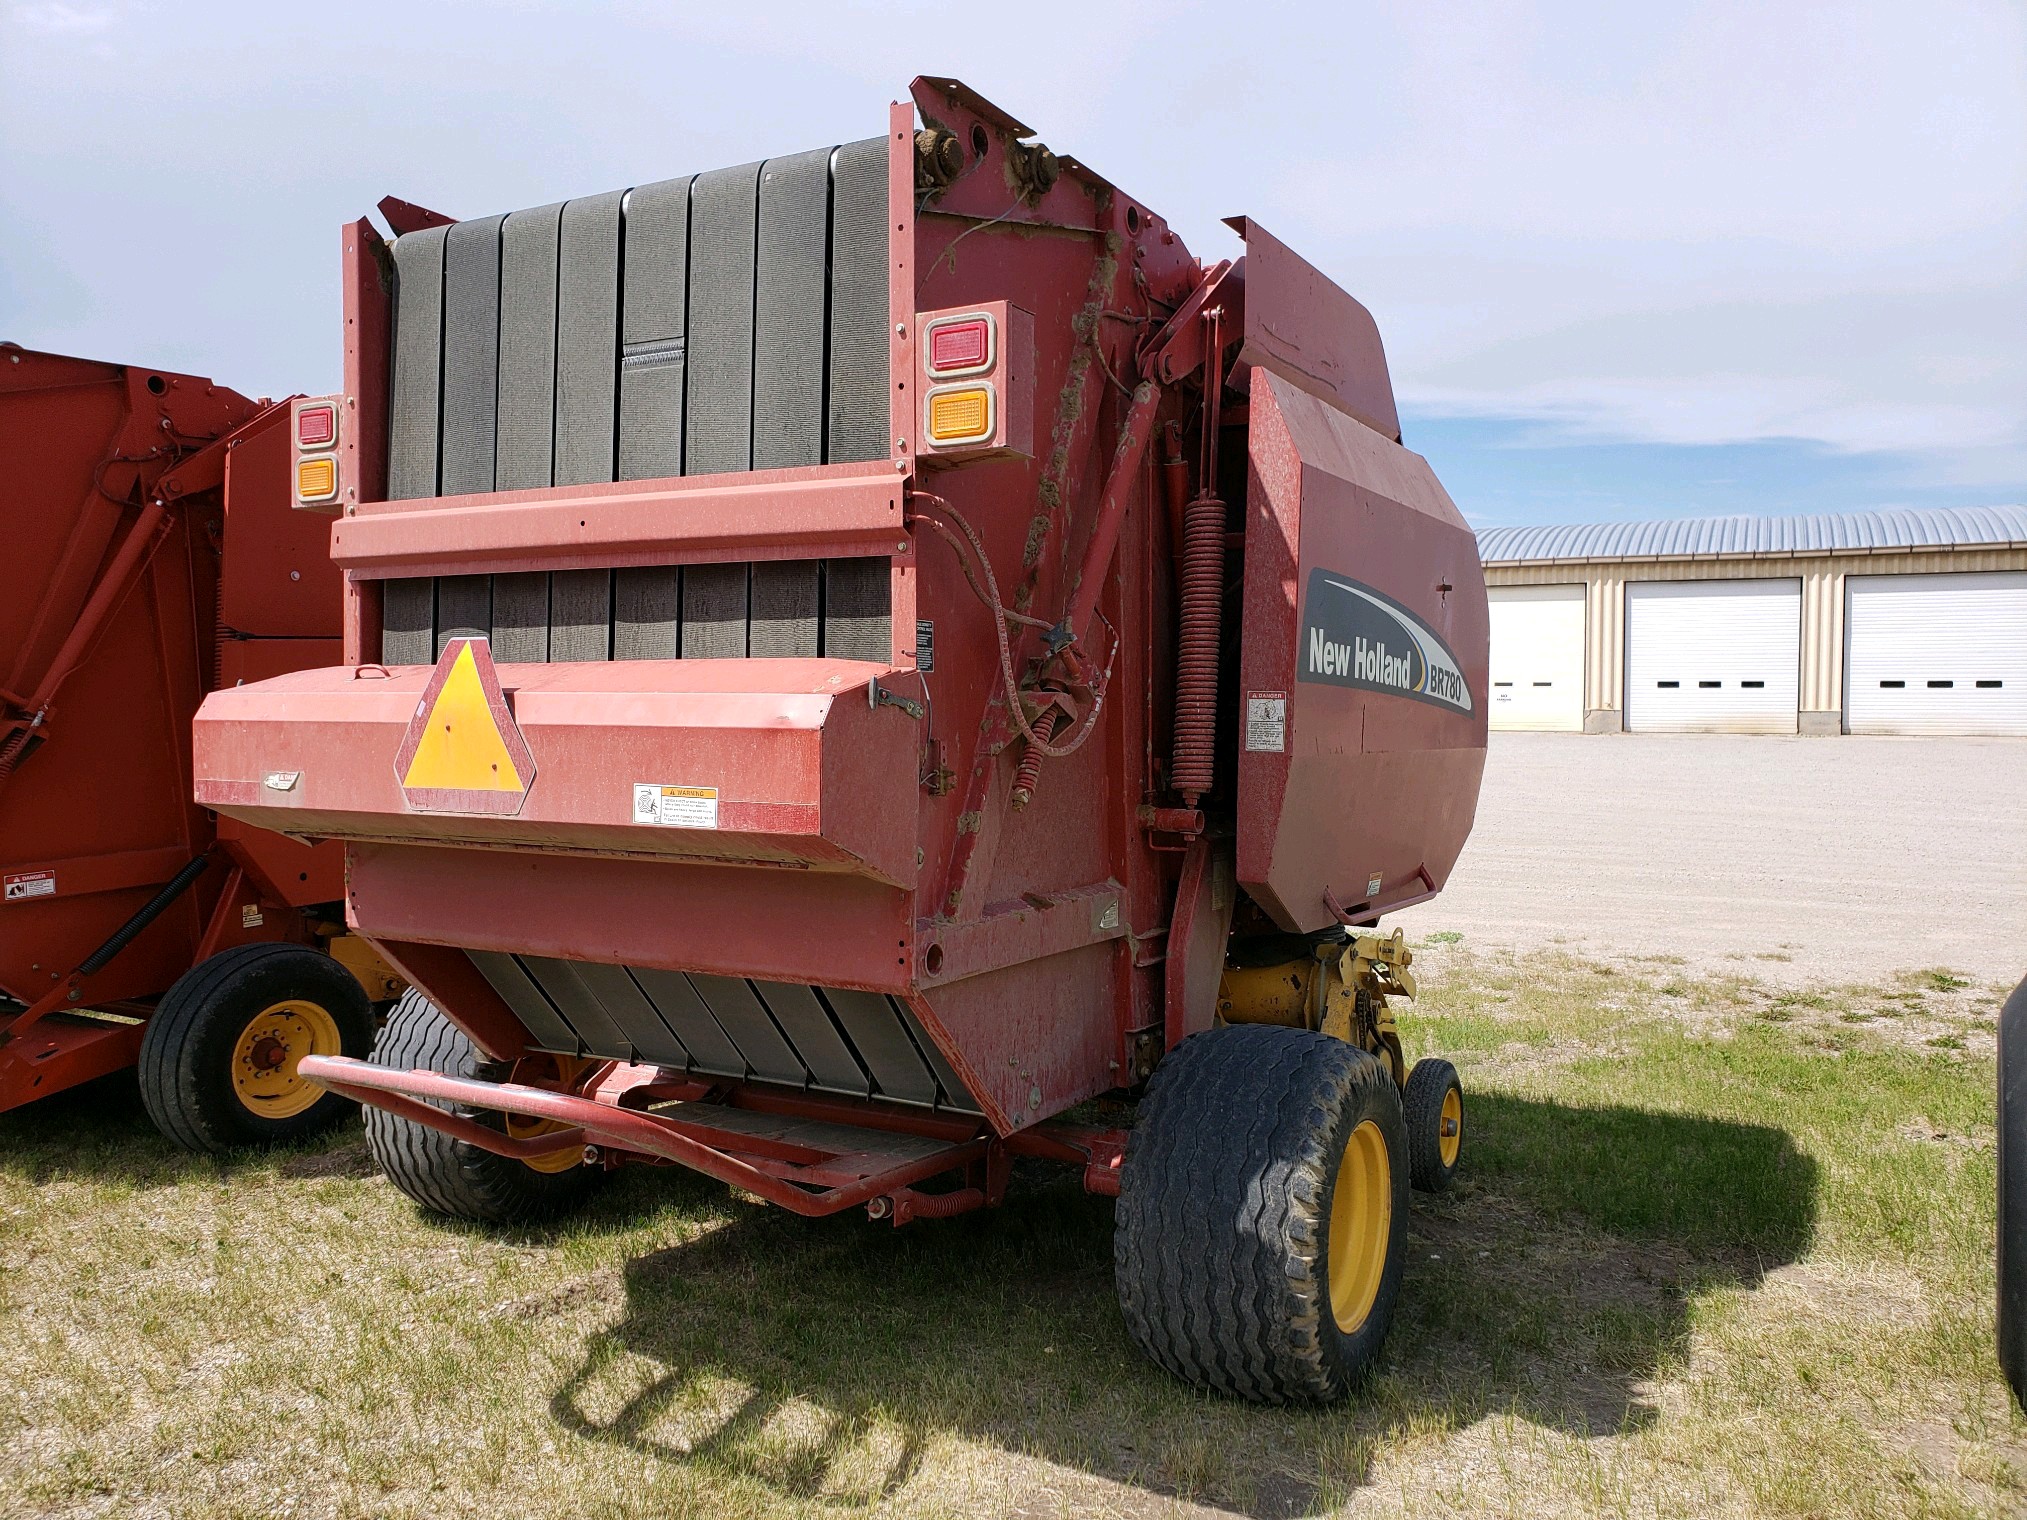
1030 768
1196 665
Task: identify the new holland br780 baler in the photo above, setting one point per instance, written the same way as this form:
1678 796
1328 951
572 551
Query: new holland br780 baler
851 656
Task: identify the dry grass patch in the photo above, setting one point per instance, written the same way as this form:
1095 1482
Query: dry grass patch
1700 1262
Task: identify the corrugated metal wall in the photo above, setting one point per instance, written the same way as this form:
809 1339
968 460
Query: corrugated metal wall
728 321
1822 683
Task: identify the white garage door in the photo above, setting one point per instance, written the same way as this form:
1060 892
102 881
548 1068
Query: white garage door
1936 654
1713 655
1537 657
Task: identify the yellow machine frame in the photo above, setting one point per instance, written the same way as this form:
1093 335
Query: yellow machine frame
1341 990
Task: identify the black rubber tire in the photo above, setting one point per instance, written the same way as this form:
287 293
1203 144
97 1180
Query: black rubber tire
185 1066
2013 1191
448 1176
1422 1103
1223 1225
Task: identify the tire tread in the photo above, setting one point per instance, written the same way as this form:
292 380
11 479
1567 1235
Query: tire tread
445 1175
1218 1256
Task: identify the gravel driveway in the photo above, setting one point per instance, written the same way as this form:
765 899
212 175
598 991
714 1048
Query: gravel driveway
1790 859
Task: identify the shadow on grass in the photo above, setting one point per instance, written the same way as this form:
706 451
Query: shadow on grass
100 1132
819 1359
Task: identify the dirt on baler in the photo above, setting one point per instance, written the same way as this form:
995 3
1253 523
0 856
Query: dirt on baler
851 656
153 554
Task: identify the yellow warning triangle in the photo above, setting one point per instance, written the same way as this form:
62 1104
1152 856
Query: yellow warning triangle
461 748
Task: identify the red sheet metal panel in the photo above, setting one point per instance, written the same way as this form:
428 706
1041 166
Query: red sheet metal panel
277 577
802 768
1303 326
1360 755
147 527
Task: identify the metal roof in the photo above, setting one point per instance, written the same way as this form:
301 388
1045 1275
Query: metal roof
1708 537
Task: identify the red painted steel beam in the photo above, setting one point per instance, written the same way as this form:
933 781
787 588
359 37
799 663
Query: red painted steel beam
804 513
1017 932
1100 1152
141 540
205 469
625 1129
1179 348
1122 484
470 1131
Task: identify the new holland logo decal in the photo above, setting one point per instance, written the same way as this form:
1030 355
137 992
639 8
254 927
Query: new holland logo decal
463 752
1353 635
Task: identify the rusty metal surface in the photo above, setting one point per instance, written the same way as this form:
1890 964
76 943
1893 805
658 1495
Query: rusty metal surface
865 835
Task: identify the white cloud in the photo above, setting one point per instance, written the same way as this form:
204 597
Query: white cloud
52 18
1706 222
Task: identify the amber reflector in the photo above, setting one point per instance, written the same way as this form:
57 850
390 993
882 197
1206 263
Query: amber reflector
956 416
316 479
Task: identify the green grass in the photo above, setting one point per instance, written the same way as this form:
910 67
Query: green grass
1697 1263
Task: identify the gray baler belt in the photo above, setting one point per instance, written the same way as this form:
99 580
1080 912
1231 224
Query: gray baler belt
471 355
731 321
587 327
858 1043
526 434
771 609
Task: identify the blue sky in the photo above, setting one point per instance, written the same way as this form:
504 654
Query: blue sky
1628 260
1504 472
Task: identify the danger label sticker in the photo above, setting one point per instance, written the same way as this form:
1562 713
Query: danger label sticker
675 807
1267 721
25 884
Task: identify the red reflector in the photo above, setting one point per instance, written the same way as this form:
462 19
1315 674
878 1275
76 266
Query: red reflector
958 345
316 426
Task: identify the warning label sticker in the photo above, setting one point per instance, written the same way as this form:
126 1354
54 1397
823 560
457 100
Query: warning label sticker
675 807
26 884
1267 721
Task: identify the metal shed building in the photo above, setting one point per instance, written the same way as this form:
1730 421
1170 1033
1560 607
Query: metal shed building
1898 622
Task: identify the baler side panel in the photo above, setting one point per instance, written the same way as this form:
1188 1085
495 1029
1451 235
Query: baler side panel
1370 785
101 804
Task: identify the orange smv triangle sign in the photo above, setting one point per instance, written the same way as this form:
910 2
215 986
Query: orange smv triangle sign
463 752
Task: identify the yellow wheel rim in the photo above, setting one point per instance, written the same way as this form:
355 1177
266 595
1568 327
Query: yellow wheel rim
264 1060
1361 1223
553 1072
1450 1134
520 1127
